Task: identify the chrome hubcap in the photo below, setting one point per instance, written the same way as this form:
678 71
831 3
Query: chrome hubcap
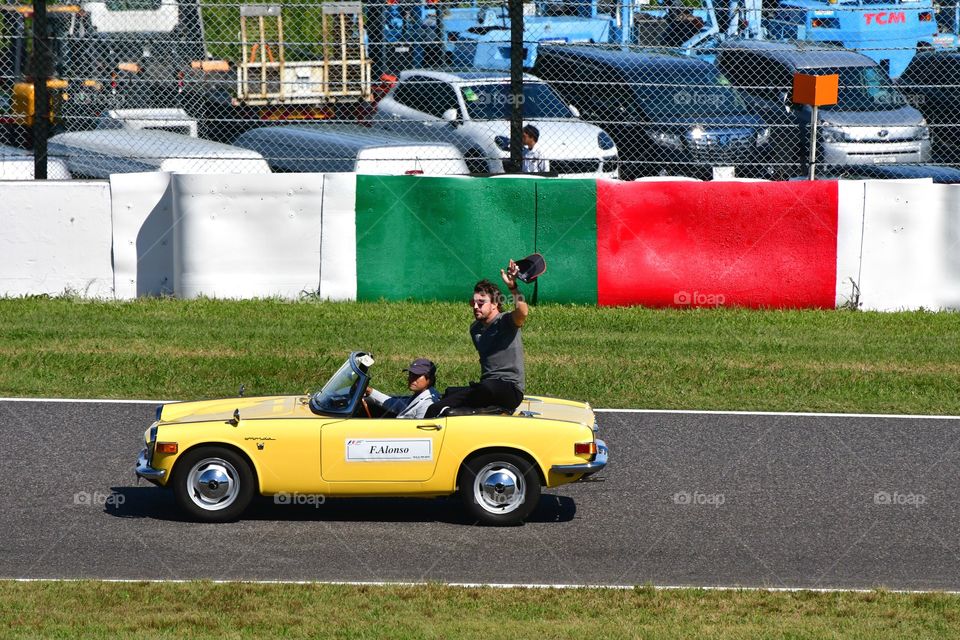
499 488
213 484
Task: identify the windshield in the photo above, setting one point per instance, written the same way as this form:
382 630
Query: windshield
865 89
338 395
690 93
494 101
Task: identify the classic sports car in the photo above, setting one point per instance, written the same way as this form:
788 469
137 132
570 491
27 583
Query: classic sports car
216 454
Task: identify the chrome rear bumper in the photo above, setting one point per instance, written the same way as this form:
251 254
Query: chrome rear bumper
598 463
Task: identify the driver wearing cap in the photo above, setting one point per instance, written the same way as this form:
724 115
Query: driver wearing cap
421 376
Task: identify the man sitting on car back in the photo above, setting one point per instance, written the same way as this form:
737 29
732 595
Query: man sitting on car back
421 377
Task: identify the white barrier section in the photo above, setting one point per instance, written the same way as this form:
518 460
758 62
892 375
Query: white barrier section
909 236
142 234
338 245
55 239
246 236
849 239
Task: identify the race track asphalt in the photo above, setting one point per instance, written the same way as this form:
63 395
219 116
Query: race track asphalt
688 499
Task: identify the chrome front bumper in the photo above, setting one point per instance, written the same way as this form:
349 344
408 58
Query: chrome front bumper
147 472
598 463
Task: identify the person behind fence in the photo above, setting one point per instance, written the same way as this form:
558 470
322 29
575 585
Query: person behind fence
532 161
421 378
496 336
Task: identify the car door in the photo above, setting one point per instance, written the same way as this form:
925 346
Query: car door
286 452
381 450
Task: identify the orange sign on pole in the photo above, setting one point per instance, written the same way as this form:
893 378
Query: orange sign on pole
815 90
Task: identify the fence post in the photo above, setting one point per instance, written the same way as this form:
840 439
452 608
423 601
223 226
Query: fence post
41 97
516 84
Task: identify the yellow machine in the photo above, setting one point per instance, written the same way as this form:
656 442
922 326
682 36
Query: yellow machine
217 454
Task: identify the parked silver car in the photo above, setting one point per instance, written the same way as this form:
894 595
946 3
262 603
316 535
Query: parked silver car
472 111
871 123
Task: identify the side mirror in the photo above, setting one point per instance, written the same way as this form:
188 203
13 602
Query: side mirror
451 116
574 111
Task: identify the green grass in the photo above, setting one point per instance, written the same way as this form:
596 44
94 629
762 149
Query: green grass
613 357
205 610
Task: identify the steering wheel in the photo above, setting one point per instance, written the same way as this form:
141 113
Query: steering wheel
366 407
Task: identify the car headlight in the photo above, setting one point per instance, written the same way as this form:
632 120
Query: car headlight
763 135
666 139
924 130
833 135
503 142
605 141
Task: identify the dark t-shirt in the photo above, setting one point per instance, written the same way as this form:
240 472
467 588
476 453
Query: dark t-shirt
501 350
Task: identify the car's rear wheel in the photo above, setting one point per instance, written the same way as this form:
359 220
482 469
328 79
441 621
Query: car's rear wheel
499 489
213 484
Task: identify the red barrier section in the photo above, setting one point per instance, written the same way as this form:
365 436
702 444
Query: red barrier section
751 244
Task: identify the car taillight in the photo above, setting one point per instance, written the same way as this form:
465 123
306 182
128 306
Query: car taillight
167 447
926 16
585 448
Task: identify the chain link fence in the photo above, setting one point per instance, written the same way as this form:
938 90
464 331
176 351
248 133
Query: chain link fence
677 88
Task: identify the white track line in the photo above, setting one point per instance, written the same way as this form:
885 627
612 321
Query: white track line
476 585
780 413
87 400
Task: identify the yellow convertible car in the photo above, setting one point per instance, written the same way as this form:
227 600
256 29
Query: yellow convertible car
217 454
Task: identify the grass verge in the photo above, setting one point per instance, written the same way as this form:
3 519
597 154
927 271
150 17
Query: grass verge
205 610
613 357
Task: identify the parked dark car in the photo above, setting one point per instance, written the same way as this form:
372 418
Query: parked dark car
668 114
871 123
932 84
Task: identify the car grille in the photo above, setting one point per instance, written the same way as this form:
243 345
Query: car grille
562 167
722 147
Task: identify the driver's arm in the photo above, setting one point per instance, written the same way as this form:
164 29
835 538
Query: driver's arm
392 404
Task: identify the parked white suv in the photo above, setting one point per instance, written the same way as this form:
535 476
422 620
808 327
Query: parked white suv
472 111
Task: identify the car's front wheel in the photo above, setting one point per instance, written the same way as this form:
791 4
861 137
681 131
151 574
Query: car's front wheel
213 484
499 489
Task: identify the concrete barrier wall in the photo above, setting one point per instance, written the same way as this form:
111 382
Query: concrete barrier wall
338 237
55 238
749 244
247 236
142 214
874 245
432 238
910 247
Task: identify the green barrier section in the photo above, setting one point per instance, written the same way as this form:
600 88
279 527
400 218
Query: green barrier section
433 238
567 239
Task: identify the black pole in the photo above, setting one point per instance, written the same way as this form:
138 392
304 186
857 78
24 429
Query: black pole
516 84
41 98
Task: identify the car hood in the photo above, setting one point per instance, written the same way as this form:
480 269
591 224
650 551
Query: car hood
222 410
557 409
903 117
559 139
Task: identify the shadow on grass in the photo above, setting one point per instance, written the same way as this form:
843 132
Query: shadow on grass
158 504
